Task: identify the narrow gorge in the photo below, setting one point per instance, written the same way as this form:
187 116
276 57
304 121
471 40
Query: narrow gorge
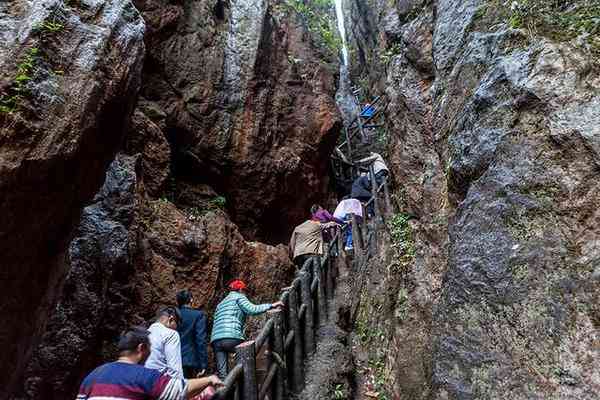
148 146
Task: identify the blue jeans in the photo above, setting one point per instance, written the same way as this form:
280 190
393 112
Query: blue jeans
349 242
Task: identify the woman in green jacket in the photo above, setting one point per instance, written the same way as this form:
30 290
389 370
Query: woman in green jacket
228 325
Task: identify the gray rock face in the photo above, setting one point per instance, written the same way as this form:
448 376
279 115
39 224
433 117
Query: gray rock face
68 82
519 313
500 132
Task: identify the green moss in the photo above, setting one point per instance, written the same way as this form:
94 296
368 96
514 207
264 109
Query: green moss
216 203
380 376
402 236
520 272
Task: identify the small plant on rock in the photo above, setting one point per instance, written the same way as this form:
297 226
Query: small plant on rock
218 202
19 87
48 27
390 53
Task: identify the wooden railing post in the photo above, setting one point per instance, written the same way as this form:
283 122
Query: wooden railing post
296 364
309 323
276 344
374 194
245 354
356 236
325 274
364 233
319 267
329 277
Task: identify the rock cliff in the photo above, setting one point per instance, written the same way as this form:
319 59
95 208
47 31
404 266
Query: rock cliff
69 80
493 116
226 144
244 99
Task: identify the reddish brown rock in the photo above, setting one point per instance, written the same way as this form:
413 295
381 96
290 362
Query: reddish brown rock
203 253
249 107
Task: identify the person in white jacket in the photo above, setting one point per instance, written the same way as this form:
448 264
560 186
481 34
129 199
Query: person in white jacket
165 344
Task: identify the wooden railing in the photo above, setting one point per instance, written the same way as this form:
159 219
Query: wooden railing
289 335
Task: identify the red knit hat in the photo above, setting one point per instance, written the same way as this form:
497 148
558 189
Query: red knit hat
237 284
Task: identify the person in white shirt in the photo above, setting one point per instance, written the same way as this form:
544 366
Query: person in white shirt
165 345
344 211
379 167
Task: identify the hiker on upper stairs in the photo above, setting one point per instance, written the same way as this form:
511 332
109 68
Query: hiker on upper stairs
344 210
323 216
126 379
361 187
228 325
165 355
379 166
192 331
307 240
368 111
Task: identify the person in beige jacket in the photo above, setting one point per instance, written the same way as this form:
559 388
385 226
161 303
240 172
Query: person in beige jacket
307 241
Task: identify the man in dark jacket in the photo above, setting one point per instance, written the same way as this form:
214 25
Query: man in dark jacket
361 188
192 330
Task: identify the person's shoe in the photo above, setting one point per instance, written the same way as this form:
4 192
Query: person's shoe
347 248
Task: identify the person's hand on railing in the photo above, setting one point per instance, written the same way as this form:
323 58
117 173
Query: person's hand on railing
215 381
277 304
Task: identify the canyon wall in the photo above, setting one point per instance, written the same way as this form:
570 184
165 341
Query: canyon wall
491 286
219 157
68 85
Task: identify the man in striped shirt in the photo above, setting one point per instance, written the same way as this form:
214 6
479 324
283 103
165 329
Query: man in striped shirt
126 379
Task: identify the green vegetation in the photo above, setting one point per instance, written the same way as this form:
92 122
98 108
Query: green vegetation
338 392
555 19
316 16
48 27
390 53
216 203
379 373
19 86
402 237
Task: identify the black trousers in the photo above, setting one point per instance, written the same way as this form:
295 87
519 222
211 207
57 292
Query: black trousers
380 176
301 259
222 349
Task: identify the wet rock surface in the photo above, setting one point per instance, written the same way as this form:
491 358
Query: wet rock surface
68 84
492 139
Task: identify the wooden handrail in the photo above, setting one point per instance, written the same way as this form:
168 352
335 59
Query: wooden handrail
229 381
264 334
289 333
